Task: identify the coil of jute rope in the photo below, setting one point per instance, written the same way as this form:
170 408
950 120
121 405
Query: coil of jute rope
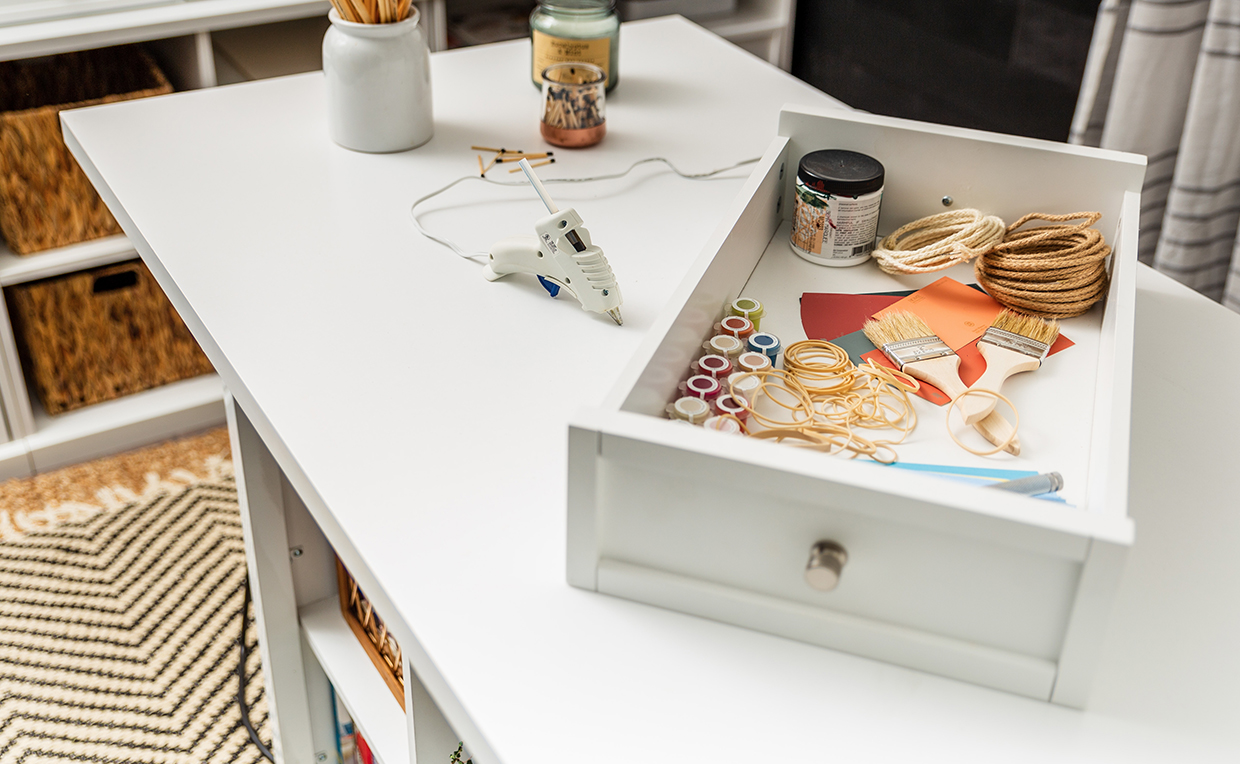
1053 271
939 241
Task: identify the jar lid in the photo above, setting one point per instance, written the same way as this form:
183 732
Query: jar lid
836 171
579 6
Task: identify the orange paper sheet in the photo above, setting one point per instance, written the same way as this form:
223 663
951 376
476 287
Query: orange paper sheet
957 313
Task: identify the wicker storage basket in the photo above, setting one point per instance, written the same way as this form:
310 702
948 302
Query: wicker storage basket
45 198
383 650
100 334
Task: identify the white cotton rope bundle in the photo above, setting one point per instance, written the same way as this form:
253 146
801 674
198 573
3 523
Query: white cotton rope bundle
939 241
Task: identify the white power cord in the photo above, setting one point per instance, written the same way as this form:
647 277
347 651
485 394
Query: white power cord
470 255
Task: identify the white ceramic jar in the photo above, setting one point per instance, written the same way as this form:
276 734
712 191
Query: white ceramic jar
378 84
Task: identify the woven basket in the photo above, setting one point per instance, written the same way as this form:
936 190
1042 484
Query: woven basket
100 334
383 650
45 198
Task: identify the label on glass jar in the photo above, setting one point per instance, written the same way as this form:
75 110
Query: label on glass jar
550 50
826 227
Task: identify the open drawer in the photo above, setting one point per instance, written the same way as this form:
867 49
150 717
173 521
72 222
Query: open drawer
984 586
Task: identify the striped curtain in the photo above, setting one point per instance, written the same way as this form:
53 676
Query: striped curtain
1163 79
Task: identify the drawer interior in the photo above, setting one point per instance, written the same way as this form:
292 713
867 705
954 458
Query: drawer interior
1073 410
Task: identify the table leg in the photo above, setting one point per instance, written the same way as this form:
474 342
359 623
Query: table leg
259 489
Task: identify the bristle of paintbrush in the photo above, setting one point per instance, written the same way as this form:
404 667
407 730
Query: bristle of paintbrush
896 327
1037 329
910 344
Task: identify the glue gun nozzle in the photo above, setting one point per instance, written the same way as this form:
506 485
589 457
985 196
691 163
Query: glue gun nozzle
615 316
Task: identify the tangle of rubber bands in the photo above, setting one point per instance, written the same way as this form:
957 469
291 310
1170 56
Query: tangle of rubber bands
827 399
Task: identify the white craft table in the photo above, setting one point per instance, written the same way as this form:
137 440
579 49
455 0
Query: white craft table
419 412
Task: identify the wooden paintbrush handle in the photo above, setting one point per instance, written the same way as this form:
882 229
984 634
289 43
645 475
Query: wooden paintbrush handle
944 373
1001 363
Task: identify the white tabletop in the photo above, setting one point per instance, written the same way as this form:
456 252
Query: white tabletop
424 409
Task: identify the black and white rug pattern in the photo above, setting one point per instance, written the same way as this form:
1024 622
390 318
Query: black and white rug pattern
118 636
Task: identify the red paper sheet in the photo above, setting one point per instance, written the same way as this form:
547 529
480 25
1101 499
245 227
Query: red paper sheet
831 316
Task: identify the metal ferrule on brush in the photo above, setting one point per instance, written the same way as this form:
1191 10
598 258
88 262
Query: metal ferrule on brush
905 352
1018 342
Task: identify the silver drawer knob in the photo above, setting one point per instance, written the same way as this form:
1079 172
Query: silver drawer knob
826 562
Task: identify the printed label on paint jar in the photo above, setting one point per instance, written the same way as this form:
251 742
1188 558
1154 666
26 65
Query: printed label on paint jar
550 50
835 227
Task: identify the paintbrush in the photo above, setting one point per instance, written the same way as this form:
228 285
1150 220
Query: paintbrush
1013 343
916 350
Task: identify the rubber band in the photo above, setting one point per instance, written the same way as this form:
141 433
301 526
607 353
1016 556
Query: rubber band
828 399
999 396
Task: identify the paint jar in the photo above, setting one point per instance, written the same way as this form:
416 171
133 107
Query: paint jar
734 404
743 385
752 361
767 344
575 31
689 409
713 365
725 345
838 196
574 110
747 307
723 424
701 386
736 326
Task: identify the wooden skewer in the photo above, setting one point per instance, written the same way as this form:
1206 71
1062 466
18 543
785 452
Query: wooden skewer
359 8
519 157
345 10
533 164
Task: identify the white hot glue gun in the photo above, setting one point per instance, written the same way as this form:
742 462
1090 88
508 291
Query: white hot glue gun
561 256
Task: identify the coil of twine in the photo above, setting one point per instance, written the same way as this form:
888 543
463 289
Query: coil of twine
1054 271
939 241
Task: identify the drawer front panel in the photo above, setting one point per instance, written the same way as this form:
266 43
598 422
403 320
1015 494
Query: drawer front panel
909 576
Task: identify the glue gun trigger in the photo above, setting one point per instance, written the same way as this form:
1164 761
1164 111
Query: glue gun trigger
550 285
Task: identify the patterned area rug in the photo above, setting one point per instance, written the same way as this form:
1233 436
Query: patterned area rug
119 632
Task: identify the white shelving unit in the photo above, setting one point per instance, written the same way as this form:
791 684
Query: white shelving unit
762 27
370 702
36 441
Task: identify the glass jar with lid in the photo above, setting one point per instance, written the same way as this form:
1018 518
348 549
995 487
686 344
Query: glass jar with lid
579 31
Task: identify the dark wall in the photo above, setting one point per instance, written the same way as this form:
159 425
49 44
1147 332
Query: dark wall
1011 66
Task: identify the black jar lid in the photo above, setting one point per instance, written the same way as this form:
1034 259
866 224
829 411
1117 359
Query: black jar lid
836 171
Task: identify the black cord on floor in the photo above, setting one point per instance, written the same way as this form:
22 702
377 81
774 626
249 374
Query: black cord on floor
245 654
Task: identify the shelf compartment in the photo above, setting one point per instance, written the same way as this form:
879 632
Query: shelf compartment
16 269
135 420
376 713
